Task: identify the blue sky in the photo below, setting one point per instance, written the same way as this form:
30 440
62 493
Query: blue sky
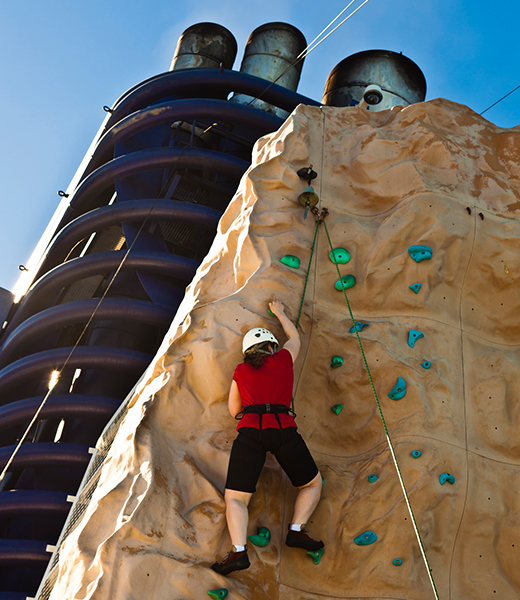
61 61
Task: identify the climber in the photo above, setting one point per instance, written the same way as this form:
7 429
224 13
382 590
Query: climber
260 396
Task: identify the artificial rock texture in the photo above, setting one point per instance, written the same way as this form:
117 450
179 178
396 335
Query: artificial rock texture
433 174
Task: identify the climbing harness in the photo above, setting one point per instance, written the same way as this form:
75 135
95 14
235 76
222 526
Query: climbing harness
265 409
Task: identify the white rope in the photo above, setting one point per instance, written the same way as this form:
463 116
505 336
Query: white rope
308 50
310 47
412 517
22 439
324 30
60 371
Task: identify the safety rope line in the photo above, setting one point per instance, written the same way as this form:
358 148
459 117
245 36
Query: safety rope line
325 29
306 51
503 98
390 445
83 332
308 273
304 290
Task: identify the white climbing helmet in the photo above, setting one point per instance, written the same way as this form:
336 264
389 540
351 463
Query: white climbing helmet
257 336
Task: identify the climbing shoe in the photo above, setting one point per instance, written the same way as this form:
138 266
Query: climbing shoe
234 561
300 539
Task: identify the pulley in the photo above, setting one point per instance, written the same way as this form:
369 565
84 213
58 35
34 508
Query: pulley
307 173
308 198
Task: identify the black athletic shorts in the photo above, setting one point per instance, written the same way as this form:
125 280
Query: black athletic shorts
249 451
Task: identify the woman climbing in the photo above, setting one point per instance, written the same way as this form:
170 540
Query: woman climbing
260 396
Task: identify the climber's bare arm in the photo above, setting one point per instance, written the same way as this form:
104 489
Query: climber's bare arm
234 400
293 343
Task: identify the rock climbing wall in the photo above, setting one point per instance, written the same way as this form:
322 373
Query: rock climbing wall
434 175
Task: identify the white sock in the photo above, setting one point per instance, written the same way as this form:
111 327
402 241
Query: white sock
239 548
296 527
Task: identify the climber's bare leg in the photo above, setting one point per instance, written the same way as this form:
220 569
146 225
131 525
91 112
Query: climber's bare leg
307 500
237 515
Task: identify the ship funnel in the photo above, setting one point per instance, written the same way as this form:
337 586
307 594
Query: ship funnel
375 79
205 46
270 51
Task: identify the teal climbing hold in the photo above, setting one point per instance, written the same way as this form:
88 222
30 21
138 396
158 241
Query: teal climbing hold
399 390
316 555
366 538
373 478
336 361
322 480
420 253
426 364
345 283
218 594
290 261
415 287
337 408
447 477
413 336
358 326
397 562
416 453
262 538
339 256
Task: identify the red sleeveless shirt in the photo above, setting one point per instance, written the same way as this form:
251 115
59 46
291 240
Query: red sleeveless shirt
272 383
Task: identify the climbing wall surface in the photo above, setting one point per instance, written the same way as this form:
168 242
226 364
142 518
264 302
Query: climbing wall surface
433 174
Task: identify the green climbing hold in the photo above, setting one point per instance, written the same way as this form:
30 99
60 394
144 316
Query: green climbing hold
345 283
415 287
373 478
426 364
446 477
316 555
397 562
339 256
416 453
358 326
322 480
218 594
413 336
290 261
262 538
366 538
337 408
336 361
399 390
420 253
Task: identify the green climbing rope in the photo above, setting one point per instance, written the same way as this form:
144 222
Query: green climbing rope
392 451
308 272
318 221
